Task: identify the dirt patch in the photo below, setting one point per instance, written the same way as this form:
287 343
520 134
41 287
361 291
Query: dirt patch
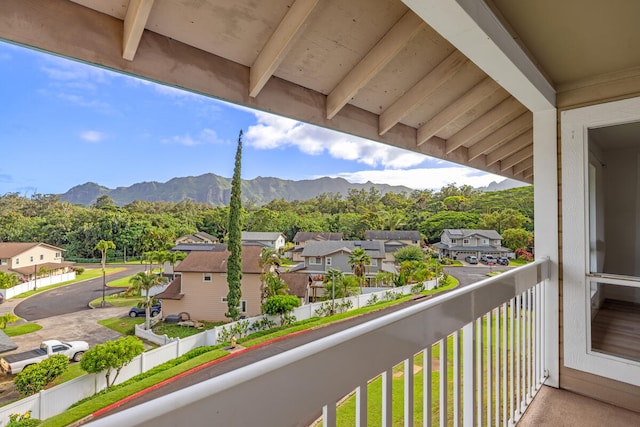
8 392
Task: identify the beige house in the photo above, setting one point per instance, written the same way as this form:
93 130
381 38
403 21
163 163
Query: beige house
545 92
28 260
201 288
200 237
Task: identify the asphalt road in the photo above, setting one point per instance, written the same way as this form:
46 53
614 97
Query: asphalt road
69 299
473 273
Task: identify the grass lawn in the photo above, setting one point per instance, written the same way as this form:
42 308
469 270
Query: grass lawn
25 328
122 325
116 300
177 331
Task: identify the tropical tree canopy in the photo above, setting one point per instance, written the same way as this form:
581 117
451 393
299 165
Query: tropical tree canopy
359 259
408 253
143 283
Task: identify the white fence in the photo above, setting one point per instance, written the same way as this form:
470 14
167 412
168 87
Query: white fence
41 282
58 399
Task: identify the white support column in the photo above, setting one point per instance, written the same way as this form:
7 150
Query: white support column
387 398
545 166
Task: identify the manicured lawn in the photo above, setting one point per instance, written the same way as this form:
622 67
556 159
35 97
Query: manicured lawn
117 300
122 325
25 328
177 331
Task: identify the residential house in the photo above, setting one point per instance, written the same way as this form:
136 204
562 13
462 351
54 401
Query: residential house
201 287
302 237
321 257
273 240
458 244
544 92
394 240
30 260
200 237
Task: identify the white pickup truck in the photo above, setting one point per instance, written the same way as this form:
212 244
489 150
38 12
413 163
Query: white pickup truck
14 363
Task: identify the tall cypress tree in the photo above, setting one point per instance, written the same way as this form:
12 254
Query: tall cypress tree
234 240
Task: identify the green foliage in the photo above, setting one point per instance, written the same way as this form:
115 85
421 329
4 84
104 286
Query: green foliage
408 253
345 285
22 420
234 241
79 270
8 318
8 280
281 305
111 357
515 238
36 377
504 219
359 260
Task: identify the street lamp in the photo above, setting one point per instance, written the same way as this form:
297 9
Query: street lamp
333 292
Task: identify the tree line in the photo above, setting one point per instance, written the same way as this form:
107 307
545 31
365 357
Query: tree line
141 226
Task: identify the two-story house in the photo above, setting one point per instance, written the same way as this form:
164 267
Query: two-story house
302 237
28 260
321 257
458 244
394 240
200 237
275 240
201 287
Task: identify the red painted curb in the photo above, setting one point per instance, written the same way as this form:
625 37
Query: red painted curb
106 409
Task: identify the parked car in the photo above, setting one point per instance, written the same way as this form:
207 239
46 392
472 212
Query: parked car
14 363
487 259
503 260
139 311
471 259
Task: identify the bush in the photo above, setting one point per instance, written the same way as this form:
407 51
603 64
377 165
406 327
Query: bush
79 271
523 255
36 377
22 420
281 305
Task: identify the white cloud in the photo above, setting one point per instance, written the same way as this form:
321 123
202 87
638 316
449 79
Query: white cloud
206 136
93 136
424 178
273 132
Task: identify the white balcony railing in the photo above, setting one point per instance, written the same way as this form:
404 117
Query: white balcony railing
492 329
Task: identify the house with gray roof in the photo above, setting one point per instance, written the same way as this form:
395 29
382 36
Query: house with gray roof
274 240
302 237
321 257
199 238
460 243
394 240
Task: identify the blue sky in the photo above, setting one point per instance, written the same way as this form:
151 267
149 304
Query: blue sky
64 123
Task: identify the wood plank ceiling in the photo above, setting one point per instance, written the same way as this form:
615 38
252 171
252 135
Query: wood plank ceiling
371 67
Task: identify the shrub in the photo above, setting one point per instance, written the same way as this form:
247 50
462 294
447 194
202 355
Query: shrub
36 377
524 255
281 305
22 420
111 357
79 271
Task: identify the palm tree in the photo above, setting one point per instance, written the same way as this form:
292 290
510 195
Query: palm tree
358 260
103 246
144 282
173 258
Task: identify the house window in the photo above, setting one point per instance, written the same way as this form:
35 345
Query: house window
41 257
17 261
223 300
485 241
31 259
4 261
328 260
465 241
243 306
315 260
373 263
57 254
206 277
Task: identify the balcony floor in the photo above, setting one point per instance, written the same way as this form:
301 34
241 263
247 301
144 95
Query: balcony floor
554 407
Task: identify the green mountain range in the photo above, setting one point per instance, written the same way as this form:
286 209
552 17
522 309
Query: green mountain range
215 190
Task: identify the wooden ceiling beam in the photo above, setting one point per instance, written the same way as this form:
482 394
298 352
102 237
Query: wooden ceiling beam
134 23
528 174
523 166
442 73
459 107
494 119
510 147
505 133
279 44
384 51
516 157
